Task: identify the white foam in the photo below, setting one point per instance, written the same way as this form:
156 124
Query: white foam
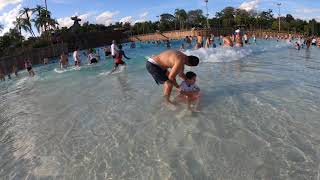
58 70
119 70
228 54
220 54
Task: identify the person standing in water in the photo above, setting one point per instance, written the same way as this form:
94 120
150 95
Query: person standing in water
64 61
182 48
314 41
254 39
76 57
15 70
158 67
92 57
238 38
208 42
113 49
246 38
227 42
118 59
188 40
168 44
133 45
200 41
28 66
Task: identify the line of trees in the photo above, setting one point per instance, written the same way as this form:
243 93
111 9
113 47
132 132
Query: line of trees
229 17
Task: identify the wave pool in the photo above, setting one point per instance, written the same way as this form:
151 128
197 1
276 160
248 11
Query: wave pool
259 119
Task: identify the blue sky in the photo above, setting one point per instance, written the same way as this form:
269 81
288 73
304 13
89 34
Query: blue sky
109 11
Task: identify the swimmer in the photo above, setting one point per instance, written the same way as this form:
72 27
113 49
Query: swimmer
28 66
92 57
227 42
158 67
189 91
118 59
76 57
64 61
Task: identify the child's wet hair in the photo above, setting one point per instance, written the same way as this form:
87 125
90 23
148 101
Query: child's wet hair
190 75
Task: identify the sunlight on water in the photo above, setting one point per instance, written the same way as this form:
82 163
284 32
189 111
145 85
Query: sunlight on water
259 119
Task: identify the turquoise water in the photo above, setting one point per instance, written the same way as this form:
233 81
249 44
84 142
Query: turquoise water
259 119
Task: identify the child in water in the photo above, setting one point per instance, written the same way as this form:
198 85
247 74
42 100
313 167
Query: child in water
189 91
118 58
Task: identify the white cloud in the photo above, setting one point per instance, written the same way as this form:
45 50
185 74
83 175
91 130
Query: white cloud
139 20
143 15
68 22
4 3
8 18
309 10
126 19
106 17
249 5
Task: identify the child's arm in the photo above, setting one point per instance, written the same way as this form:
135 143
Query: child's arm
124 55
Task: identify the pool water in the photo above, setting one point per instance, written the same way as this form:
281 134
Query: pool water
259 119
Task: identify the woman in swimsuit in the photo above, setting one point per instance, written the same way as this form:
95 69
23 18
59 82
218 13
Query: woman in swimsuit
28 66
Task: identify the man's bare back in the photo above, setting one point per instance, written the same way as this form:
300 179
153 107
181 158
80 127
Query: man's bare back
168 59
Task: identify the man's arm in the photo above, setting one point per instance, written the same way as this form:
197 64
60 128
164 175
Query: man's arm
176 69
182 75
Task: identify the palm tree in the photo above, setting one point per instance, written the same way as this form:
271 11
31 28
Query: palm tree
27 21
21 24
43 19
38 10
181 16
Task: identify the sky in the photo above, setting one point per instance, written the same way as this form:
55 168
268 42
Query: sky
110 11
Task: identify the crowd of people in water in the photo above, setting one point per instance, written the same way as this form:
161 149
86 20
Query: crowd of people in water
165 67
